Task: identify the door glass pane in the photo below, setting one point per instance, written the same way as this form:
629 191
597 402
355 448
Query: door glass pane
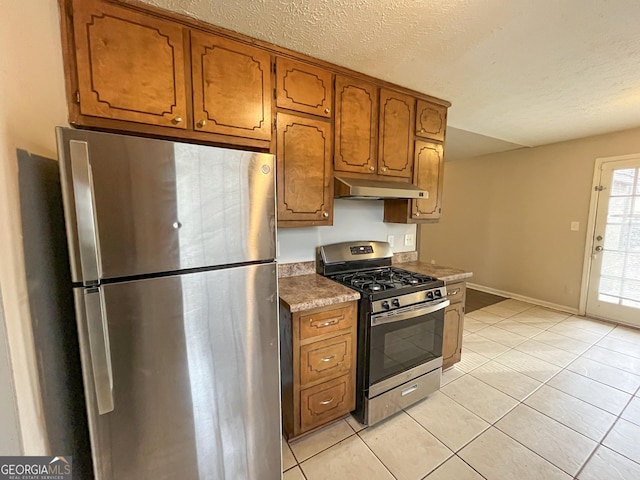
619 207
623 182
632 266
630 303
631 290
610 286
616 236
634 241
612 263
620 268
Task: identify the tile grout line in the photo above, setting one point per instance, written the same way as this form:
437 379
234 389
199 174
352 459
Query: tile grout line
600 444
374 453
521 402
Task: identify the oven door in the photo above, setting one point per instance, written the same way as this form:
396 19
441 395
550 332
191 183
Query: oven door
405 338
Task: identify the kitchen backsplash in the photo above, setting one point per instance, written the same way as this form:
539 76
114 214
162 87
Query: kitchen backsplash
352 220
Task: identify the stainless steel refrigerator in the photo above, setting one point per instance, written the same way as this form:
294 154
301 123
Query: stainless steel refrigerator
172 250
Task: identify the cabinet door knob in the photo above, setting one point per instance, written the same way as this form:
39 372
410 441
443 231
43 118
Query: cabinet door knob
202 123
325 214
327 111
372 168
417 214
384 169
177 120
422 130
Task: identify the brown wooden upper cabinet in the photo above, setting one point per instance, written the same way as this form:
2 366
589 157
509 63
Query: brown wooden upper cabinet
134 67
431 120
356 126
130 66
231 87
429 176
395 147
305 189
304 88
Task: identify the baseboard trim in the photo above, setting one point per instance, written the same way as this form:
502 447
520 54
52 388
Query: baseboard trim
522 298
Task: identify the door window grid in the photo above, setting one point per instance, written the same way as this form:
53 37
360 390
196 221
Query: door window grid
620 275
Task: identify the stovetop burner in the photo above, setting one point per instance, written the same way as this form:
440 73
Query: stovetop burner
383 279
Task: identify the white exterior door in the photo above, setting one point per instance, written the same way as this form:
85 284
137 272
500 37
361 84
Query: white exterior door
614 277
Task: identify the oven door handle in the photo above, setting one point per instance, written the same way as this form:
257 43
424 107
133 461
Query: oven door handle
390 317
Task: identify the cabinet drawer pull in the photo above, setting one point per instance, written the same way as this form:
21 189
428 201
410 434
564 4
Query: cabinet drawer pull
328 359
409 390
325 324
453 292
327 402
177 120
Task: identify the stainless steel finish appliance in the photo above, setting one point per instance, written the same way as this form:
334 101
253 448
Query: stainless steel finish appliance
172 252
364 188
400 326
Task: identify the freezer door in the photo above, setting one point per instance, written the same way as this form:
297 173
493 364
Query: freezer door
186 382
137 206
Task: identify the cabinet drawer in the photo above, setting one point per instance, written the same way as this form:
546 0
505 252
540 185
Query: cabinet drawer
326 402
456 292
326 321
325 359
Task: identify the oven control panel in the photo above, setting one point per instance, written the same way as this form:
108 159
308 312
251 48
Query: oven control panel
424 296
361 250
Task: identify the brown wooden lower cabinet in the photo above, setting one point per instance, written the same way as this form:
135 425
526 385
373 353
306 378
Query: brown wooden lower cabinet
317 361
453 324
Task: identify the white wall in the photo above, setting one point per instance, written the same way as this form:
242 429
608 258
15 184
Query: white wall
32 103
507 216
352 220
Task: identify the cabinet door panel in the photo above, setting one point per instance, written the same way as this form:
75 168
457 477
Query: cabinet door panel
231 87
355 125
452 336
431 120
429 175
397 116
130 66
303 87
304 170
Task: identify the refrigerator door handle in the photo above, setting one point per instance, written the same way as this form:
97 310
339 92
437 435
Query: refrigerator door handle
100 352
87 238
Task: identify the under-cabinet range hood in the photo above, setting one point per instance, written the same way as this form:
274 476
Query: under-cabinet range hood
365 189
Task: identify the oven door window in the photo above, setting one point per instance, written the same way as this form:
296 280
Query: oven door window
399 346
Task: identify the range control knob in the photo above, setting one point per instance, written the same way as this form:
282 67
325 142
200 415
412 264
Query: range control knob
395 302
385 305
429 295
438 293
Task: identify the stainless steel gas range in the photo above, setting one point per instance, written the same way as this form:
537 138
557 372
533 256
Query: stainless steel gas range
400 325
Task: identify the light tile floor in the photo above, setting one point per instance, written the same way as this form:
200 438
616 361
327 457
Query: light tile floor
539 394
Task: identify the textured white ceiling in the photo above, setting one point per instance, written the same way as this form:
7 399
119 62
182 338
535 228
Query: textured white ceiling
529 72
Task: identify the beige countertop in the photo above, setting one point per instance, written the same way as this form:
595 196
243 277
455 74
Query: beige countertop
447 274
303 292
